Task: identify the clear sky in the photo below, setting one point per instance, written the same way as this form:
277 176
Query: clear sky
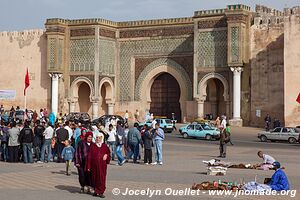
31 14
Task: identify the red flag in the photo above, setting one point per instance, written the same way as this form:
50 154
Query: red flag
27 82
298 98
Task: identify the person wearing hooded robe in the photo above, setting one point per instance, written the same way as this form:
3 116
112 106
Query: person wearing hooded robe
81 155
52 118
97 161
279 180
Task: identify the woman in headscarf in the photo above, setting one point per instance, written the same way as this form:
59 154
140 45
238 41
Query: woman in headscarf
81 155
98 159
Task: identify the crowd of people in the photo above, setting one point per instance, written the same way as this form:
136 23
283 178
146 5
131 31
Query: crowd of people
90 146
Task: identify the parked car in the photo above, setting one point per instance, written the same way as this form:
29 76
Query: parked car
200 130
165 124
106 118
280 134
82 117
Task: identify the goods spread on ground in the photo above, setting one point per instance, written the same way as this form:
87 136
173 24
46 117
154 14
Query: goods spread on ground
216 185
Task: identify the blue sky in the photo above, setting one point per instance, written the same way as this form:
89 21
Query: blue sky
30 14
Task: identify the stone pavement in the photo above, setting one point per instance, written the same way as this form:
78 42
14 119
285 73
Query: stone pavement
182 167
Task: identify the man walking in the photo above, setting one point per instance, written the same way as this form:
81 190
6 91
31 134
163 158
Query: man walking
268 121
134 139
224 139
120 140
159 137
38 139
62 135
48 135
26 139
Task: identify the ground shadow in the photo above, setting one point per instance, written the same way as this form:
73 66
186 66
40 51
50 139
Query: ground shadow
71 189
201 173
63 172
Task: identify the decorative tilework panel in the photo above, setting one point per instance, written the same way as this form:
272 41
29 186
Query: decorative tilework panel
212 48
60 53
107 55
235 40
52 52
82 54
165 46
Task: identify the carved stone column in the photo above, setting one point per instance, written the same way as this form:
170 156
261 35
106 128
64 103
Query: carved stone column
95 107
111 107
72 104
200 107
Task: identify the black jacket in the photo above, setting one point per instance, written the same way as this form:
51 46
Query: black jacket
62 135
148 140
38 135
26 135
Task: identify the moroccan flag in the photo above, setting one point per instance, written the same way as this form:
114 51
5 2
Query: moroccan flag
27 82
298 99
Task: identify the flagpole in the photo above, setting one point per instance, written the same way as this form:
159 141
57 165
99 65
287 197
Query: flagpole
25 106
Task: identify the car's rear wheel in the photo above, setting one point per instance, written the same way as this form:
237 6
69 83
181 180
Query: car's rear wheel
208 137
185 135
263 138
292 140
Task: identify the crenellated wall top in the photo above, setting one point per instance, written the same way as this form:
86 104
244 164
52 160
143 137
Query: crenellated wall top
32 32
57 21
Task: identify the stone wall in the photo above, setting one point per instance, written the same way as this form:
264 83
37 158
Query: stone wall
292 67
267 60
21 50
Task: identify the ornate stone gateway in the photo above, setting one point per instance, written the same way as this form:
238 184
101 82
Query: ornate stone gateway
125 64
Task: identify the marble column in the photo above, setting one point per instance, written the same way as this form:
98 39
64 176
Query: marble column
95 107
111 108
54 91
200 111
237 71
72 105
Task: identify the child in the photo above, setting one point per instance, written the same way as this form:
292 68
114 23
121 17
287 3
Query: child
68 154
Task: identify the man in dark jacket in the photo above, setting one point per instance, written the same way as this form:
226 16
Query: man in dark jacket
224 139
134 140
62 135
26 139
38 138
148 144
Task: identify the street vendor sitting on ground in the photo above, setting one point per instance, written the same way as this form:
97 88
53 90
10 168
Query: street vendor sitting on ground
279 179
268 161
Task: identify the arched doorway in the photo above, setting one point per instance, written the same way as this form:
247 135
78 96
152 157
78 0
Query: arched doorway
165 96
107 99
213 96
103 106
214 104
84 93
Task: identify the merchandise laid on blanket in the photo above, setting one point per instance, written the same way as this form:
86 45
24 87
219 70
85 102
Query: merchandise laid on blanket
215 167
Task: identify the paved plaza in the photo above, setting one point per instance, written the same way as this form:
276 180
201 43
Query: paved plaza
182 167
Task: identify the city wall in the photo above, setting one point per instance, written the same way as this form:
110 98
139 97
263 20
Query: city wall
19 51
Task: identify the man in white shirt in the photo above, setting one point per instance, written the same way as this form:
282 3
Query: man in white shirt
154 122
48 135
111 140
70 131
224 122
126 116
267 161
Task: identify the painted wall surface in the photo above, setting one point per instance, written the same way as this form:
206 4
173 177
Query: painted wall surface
19 51
292 70
267 97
